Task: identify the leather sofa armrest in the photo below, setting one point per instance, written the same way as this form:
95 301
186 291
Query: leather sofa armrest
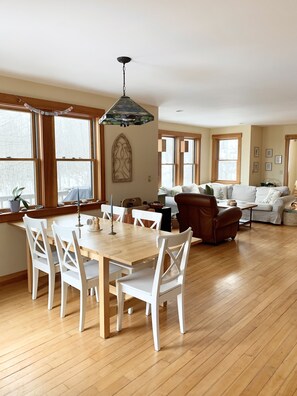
227 216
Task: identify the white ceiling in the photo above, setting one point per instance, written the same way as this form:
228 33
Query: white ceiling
223 62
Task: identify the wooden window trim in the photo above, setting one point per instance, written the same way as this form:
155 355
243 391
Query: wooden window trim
179 156
215 161
46 160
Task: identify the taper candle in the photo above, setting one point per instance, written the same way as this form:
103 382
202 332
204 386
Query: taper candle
78 201
111 207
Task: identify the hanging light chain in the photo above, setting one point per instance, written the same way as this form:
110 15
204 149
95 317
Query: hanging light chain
124 79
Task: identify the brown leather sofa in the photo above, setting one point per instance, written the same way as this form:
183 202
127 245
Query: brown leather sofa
200 212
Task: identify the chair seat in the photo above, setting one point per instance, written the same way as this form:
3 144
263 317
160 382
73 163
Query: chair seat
91 270
144 280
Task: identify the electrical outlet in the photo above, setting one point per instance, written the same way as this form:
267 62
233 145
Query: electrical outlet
149 179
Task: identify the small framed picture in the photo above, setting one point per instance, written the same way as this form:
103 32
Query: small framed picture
278 159
268 153
256 167
268 166
256 151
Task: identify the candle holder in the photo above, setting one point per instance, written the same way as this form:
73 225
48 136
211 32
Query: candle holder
111 227
78 217
111 217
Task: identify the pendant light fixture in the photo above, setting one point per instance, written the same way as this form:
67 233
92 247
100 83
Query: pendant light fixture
125 111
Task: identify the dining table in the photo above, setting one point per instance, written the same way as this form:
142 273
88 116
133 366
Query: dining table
128 244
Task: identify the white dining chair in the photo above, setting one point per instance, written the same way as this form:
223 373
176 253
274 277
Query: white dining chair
154 286
43 258
140 216
118 212
75 272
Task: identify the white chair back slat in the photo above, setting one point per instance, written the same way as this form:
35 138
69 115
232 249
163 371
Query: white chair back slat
69 255
154 217
42 255
37 238
178 249
118 212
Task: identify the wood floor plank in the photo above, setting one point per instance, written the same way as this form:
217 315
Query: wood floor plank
241 318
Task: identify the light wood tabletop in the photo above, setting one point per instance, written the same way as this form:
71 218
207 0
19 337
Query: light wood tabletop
130 245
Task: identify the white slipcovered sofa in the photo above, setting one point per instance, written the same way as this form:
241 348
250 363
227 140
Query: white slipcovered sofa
270 201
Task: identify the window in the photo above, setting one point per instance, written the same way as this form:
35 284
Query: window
51 156
226 158
179 159
17 155
75 159
189 162
168 163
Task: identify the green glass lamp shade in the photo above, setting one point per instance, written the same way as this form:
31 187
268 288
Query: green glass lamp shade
126 112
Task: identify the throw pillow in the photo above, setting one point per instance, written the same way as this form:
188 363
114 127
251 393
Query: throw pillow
193 188
176 190
271 197
220 192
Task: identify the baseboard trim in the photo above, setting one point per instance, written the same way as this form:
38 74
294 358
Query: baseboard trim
17 276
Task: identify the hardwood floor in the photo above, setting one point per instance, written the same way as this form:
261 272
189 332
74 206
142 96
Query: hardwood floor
241 315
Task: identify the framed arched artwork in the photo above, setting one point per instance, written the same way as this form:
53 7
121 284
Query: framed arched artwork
121 160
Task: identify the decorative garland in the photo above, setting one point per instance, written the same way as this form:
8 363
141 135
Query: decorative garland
47 113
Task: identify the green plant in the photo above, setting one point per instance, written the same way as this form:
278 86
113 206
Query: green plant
17 196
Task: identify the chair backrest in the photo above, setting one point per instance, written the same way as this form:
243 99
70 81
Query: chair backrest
140 215
118 212
177 247
38 241
201 213
70 258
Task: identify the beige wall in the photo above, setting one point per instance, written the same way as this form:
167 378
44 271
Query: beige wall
143 140
245 149
205 161
256 141
274 138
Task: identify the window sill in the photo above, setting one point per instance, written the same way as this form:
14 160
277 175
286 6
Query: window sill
6 217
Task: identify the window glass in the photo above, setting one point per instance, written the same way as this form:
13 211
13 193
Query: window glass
228 149
15 134
74 175
189 163
72 136
226 163
17 173
73 143
227 170
17 165
167 167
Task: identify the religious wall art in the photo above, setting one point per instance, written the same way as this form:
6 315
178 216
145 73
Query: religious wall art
121 154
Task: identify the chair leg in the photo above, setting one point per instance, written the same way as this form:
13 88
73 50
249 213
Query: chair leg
51 289
148 309
97 294
82 315
64 290
120 300
181 313
35 283
155 325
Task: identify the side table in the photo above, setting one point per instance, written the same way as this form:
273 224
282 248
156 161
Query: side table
166 218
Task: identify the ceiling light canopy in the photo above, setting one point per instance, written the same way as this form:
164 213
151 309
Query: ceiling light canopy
125 111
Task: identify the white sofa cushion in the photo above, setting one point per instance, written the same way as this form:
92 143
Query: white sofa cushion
267 195
193 188
220 191
244 193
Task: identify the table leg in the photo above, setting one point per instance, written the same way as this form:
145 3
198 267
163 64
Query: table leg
104 317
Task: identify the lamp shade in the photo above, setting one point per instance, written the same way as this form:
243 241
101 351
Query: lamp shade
126 112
